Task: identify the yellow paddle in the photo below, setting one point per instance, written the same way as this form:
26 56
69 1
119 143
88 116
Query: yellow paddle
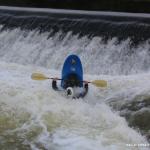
40 76
99 83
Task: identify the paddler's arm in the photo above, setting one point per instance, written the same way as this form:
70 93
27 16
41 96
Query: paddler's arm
86 87
54 85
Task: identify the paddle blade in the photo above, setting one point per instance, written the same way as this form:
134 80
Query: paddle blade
38 76
100 83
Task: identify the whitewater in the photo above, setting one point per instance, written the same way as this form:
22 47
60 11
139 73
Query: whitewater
34 116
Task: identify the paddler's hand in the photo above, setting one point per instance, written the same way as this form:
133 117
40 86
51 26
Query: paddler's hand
55 79
86 84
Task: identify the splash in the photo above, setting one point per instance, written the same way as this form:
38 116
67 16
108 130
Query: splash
33 116
113 58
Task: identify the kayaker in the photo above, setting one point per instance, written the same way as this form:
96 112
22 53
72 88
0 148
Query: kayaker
72 82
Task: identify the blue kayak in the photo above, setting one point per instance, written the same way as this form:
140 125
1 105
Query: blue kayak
72 65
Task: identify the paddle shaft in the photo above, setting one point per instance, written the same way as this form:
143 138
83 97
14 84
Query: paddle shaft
68 80
99 83
39 76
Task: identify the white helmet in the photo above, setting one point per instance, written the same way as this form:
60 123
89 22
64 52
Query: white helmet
69 92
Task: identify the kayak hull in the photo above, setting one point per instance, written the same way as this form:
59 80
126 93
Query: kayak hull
72 65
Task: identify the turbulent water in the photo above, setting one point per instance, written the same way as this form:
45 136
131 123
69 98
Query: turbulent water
33 116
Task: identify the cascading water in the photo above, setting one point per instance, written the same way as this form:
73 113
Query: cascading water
33 116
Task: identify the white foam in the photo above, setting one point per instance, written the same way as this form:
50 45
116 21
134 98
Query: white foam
30 47
60 122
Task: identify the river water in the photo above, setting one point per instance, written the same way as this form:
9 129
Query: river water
33 116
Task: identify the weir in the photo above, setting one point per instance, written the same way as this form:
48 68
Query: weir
115 43
103 24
